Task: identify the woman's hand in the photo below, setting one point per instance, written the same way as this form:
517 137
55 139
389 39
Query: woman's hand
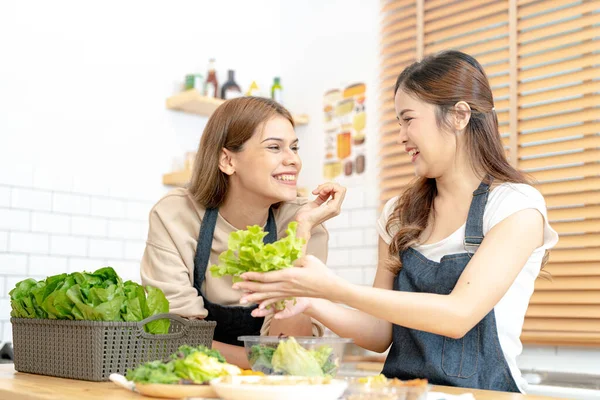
292 308
327 205
309 278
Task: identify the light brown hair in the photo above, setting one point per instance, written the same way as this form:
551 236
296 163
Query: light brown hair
443 80
229 127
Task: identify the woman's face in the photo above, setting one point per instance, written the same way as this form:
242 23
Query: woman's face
432 149
268 165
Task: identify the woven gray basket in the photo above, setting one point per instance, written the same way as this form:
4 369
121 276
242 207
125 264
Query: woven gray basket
92 350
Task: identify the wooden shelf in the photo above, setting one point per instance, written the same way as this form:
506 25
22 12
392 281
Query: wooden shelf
300 119
179 178
193 102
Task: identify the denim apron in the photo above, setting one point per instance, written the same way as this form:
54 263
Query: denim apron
232 321
474 361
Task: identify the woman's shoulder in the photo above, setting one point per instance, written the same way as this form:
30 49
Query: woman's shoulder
389 207
515 192
175 204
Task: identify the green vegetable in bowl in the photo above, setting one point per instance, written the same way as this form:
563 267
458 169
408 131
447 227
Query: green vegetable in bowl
97 296
260 358
293 359
290 358
247 252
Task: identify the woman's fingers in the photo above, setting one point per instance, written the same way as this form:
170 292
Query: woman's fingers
327 190
262 312
268 277
260 297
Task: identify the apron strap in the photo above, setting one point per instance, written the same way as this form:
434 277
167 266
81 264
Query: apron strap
474 228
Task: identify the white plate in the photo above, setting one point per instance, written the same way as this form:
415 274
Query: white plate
246 388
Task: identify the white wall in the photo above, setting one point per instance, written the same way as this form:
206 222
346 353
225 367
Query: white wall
325 45
85 133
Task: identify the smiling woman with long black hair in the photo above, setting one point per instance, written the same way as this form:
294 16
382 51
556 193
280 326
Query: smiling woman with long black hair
459 249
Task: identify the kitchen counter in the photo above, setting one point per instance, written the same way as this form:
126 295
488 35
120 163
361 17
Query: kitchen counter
20 386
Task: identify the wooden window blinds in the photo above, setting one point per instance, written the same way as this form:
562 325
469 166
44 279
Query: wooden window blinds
543 62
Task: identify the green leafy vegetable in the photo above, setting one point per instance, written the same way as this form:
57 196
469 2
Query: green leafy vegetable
293 359
290 358
186 350
154 372
248 253
260 358
97 296
196 364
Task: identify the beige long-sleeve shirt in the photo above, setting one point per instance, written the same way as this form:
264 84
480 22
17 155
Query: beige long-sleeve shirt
168 261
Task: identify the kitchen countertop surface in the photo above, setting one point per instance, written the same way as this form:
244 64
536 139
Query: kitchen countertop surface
21 386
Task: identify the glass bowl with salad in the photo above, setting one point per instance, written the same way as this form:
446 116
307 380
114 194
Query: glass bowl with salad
298 356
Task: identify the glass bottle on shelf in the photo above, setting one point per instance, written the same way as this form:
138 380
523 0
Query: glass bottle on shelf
230 89
211 85
277 91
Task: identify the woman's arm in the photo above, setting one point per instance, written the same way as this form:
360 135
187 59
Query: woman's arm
233 354
488 276
162 266
369 332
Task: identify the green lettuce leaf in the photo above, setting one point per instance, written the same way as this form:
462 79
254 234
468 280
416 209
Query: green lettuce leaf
292 359
248 253
97 296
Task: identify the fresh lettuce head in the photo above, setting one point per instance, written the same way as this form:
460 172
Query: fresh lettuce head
191 364
97 296
154 372
292 359
199 367
248 253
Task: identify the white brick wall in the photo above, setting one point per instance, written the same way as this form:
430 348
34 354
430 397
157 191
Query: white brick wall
52 227
45 266
4 197
68 246
13 264
70 204
49 223
15 219
106 248
3 241
109 208
95 227
353 238
23 242
31 199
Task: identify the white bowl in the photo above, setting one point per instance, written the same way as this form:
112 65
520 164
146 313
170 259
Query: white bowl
250 388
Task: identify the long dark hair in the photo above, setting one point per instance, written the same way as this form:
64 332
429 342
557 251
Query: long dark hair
443 80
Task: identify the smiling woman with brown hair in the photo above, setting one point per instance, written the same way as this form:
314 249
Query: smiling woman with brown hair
245 174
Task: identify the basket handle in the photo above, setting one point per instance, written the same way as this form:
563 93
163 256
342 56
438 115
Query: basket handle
184 322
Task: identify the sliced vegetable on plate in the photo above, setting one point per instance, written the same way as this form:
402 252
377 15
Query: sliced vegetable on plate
186 374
